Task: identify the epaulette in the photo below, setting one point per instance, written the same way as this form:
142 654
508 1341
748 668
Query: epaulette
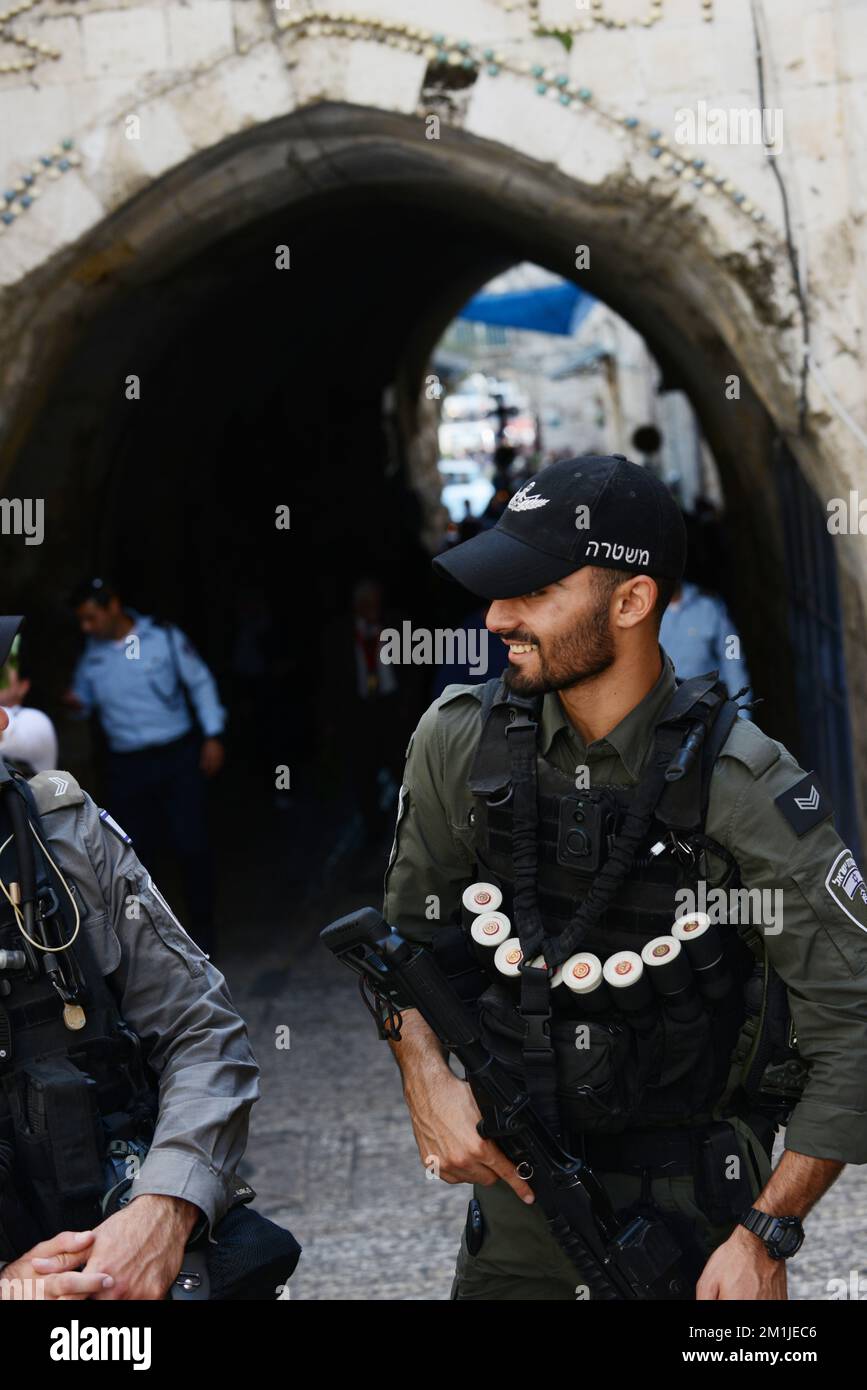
748 745
53 790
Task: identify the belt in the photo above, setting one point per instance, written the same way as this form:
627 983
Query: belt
149 750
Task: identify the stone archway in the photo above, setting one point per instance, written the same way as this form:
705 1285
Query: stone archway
709 287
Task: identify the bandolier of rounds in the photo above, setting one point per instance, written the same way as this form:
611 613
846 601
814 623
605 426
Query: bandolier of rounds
445 51
35 52
22 194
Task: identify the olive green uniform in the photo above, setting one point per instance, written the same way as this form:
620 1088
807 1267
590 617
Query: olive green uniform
818 943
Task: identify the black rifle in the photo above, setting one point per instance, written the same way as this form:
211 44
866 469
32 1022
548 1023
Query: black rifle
636 1258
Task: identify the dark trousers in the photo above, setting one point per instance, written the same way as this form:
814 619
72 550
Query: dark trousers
158 796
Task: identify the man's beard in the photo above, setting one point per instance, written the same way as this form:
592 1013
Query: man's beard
577 656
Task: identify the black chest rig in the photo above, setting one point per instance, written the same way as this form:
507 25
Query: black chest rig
77 1101
597 870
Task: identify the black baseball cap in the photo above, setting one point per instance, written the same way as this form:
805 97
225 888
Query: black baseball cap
599 510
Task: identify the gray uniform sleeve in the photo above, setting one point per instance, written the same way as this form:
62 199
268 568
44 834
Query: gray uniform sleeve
179 1005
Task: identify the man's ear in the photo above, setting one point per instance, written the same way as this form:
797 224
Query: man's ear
636 599
23 688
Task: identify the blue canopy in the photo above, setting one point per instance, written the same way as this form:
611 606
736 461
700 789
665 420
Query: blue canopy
547 309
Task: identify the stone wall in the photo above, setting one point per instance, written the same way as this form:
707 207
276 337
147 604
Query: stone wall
183 120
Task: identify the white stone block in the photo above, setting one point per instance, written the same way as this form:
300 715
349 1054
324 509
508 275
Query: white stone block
320 68
162 141
594 153
99 99
200 32
64 35
609 64
124 43
381 76
813 123
256 86
672 59
802 51
851 34
32 121
233 96
253 22
65 211
509 110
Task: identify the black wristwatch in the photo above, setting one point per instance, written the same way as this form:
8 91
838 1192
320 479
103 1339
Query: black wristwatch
781 1236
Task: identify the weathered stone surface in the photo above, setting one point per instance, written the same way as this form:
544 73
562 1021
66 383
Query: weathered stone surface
201 73
124 43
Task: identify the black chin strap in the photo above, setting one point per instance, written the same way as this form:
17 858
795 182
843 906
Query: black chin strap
537 1053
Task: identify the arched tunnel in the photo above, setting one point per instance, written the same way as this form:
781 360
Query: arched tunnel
262 388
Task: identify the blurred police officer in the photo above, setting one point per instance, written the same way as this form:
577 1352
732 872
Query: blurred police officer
161 714
126 1076
698 633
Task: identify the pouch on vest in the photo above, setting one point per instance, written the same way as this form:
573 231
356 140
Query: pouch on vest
58 1142
599 1077
722 1186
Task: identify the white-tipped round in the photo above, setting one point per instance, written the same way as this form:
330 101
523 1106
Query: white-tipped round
661 951
491 928
582 973
690 926
482 897
509 957
623 969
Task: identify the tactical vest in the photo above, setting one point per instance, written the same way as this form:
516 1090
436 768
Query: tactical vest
76 1102
556 853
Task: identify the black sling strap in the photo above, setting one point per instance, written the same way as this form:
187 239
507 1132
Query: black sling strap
694 702
537 1052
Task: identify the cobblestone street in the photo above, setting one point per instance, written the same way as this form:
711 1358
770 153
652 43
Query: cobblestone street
333 1157
332 1153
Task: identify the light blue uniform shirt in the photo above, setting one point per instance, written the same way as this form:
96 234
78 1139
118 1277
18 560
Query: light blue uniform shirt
137 687
698 633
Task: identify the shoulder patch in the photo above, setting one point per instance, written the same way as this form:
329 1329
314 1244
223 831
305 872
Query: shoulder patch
748 745
847 888
112 825
805 804
54 790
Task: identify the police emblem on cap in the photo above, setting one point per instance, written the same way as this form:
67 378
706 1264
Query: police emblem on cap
523 502
805 804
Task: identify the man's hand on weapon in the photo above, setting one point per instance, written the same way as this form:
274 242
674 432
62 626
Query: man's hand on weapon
444 1119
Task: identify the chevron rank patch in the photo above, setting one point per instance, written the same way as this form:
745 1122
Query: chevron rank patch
847 888
805 804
